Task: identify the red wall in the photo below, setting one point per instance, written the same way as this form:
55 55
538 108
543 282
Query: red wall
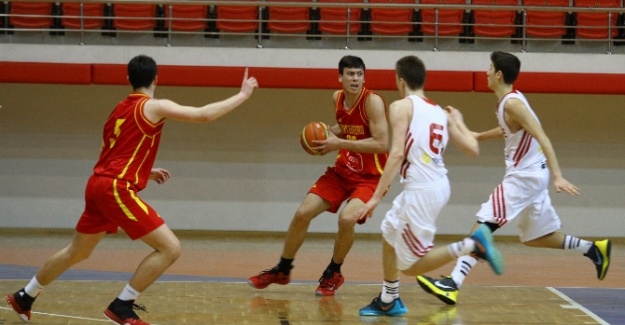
170 75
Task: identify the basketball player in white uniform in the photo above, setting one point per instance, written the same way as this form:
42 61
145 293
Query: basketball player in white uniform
524 191
420 131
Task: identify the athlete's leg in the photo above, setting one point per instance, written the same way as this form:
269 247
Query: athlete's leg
311 207
166 251
346 234
79 249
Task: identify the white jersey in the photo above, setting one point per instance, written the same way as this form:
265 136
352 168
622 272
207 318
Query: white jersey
426 140
521 150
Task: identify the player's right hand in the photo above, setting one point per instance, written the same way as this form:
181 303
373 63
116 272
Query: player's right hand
248 85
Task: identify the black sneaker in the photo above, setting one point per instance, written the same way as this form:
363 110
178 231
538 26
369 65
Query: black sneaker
122 313
444 289
21 303
599 253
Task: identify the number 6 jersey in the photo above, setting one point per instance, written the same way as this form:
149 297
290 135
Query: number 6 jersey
425 143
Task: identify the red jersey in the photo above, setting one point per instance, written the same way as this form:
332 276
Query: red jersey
129 143
354 124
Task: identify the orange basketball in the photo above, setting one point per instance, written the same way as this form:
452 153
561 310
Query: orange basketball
313 131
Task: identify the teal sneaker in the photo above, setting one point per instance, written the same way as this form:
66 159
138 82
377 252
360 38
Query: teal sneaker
379 308
485 248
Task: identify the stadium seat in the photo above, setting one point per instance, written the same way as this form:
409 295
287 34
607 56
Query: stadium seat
450 20
546 23
237 19
186 17
134 16
333 20
19 12
595 25
389 21
92 13
494 23
289 19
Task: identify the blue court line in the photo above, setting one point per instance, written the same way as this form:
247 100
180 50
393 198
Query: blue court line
21 272
608 304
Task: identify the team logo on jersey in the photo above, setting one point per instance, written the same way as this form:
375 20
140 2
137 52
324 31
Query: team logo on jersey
354 162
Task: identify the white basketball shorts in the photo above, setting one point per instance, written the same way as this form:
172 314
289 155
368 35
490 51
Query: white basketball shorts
410 225
523 194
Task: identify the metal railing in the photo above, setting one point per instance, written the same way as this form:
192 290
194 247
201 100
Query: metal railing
614 25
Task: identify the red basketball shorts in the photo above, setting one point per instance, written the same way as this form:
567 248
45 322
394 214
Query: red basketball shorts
113 203
337 187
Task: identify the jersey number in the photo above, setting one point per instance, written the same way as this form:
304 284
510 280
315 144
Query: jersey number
117 131
436 138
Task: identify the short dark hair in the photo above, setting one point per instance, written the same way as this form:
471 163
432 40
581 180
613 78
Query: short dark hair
350 61
411 69
141 71
508 64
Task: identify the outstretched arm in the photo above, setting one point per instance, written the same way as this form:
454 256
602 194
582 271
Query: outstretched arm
158 109
494 133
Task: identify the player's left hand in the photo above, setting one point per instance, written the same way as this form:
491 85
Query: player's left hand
562 184
366 211
454 113
159 175
330 144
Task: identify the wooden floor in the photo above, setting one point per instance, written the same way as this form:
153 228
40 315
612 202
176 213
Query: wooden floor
207 285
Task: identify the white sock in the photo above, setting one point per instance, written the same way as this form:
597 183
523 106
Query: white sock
33 288
461 248
390 291
462 269
128 293
578 244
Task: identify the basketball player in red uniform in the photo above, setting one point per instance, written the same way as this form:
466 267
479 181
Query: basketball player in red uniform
129 146
361 137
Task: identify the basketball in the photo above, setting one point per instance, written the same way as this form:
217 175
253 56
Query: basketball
313 131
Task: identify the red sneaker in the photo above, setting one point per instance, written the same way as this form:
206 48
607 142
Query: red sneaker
121 312
328 286
267 277
21 303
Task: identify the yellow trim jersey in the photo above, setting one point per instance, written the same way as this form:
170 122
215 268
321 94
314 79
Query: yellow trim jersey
129 143
354 124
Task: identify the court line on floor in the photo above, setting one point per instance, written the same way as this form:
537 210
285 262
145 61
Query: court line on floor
63 316
578 306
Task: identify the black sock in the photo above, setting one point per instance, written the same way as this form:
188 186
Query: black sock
285 265
333 267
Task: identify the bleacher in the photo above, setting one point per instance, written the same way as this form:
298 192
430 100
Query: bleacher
570 26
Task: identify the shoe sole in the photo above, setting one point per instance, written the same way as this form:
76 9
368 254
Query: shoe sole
606 258
485 237
111 317
396 313
440 294
13 304
258 287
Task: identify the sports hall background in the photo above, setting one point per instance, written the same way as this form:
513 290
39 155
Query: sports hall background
247 172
